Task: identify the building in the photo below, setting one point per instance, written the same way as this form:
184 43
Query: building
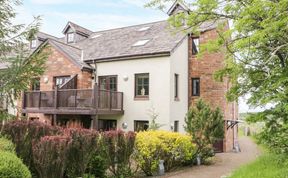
118 78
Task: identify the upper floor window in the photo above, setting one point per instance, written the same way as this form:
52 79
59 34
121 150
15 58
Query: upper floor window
36 85
108 83
176 85
141 85
195 86
195 45
58 81
33 44
70 37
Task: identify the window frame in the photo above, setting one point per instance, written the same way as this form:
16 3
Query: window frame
55 79
36 86
33 44
176 126
141 121
108 77
195 47
176 86
136 96
199 91
68 34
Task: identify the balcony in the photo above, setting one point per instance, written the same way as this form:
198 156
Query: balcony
73 101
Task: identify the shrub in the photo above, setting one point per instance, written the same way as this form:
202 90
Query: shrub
118 147
50 156
23 133
6 145
174 148
12 166
97 165
206 126
82 147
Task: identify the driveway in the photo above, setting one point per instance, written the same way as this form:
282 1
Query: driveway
224 164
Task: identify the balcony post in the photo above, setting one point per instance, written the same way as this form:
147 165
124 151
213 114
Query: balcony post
95 96
55 97
110 94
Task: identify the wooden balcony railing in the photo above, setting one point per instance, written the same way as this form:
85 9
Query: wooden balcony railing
73 101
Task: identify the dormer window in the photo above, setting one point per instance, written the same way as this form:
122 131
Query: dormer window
70 37
33 44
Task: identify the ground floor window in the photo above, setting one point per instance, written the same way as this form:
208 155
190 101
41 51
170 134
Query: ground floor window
176 126
106 125
141 126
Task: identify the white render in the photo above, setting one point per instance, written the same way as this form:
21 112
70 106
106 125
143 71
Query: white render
161 85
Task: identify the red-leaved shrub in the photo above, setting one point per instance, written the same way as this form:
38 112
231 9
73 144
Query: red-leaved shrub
118 148
50 155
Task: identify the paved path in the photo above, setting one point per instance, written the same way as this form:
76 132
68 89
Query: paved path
224 163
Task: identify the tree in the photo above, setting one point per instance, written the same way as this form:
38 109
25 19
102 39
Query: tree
23 68
256 47
206 126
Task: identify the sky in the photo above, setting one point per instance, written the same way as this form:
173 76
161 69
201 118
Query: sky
94 15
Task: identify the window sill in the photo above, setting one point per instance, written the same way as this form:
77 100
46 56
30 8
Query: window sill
141 98
176 99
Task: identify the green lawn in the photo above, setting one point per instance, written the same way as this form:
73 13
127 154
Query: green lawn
266 166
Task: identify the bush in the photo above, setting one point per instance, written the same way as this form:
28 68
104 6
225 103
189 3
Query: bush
206 126
6 145
174 148
97 165
12 167
50 156
23 133
82 147
118 147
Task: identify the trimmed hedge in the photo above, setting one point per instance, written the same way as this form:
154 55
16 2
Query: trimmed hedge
174 148
12 166
6 145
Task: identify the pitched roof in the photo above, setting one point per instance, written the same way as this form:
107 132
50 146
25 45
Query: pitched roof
119 43
77 28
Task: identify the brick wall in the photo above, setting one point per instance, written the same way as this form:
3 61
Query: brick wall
58 64
211 91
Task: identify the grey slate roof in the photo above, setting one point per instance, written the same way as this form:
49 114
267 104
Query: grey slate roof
118 43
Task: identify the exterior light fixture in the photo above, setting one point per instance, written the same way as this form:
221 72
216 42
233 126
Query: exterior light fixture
46 80
124 125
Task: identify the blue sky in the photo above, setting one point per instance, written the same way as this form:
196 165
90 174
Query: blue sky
92 14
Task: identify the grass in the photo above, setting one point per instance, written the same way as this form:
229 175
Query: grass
266 166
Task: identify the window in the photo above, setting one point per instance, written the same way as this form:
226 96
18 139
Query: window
108 83
36 85
70 37
143 29
141 85
195 45
141 126
33 44
140 43
195 86
176 90
106 125
176 126
58 81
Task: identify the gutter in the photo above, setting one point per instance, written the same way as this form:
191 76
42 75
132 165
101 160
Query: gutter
128 57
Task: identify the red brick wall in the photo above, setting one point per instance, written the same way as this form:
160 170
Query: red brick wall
211 91
58 64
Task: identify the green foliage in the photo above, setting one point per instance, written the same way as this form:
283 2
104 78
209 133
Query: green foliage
14 53
266 166
23 133
153 124
97 165
80 152
6 145
255 49
118 147
206 126
174 148
12 166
